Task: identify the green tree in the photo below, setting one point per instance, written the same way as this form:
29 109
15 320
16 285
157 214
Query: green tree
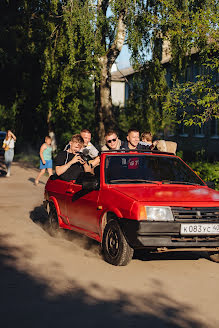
18 63
107 25
52 51
43 89
102 24
64 75
193 28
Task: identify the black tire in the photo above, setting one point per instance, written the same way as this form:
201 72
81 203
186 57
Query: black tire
116 250
214 256
53 220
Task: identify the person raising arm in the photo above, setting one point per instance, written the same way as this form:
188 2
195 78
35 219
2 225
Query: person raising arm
69 164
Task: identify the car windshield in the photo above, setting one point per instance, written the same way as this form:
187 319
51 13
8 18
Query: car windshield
132 169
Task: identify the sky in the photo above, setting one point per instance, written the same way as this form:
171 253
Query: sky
123 59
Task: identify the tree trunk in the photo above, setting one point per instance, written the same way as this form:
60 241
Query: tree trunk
51 133
104 115
103 101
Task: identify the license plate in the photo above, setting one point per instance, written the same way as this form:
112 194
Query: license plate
199 229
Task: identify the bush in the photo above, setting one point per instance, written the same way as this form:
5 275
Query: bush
207 171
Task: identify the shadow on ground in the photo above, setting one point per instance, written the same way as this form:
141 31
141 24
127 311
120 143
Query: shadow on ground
23 164
33 181
169 255
25 302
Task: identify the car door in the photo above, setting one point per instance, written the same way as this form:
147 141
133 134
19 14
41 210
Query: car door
57 190
81 206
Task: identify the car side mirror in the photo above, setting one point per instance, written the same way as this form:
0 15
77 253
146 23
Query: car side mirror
210 184
90 182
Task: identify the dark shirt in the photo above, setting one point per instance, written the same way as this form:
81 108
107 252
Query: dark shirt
75 169
124 145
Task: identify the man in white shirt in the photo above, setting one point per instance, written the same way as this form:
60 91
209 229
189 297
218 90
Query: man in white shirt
86 135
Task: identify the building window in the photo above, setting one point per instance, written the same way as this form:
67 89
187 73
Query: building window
214 128
183 130
199 131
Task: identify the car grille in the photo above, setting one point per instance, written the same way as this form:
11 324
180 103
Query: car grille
200 214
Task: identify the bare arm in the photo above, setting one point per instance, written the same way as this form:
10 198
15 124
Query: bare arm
87 168
13 136
42 148
76 159
95 162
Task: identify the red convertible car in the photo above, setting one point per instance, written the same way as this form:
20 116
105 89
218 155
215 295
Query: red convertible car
138 200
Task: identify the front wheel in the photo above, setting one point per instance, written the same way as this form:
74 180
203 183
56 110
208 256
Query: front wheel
116 250
214 256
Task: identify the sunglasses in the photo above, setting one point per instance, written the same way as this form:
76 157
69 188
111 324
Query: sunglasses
112 140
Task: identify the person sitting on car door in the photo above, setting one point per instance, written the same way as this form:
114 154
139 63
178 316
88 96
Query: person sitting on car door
112 141
132 142
69 163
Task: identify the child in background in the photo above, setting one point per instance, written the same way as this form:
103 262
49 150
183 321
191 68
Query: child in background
147 140
45 159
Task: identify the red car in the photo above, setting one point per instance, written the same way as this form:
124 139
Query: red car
138 200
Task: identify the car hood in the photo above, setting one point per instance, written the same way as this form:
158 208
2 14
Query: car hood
170 193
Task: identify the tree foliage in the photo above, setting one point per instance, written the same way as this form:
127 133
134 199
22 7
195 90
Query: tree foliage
194 29
42 90
52 52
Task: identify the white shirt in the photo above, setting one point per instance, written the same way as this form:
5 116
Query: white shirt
145 143
93 152
10 143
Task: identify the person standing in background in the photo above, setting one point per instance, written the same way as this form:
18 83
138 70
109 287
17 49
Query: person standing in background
8 146
45 159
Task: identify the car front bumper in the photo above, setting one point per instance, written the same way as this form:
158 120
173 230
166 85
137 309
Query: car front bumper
140 234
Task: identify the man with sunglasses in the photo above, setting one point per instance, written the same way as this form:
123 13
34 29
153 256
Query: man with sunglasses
112 141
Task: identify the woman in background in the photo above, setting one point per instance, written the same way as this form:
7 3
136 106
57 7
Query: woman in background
8 146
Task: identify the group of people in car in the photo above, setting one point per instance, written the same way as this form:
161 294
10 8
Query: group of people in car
70 162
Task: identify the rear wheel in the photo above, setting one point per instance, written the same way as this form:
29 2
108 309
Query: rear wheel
116 250
214 256
53 219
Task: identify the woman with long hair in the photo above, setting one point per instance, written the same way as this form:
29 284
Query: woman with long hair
8 145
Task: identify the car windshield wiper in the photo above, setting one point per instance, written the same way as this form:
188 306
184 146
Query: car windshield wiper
134 180
181 182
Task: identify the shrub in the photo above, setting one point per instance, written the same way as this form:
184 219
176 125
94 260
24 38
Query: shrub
207 171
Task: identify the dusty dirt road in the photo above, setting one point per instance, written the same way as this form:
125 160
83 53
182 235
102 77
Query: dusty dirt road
63 282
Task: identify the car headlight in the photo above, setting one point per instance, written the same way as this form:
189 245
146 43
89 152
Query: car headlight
158 213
